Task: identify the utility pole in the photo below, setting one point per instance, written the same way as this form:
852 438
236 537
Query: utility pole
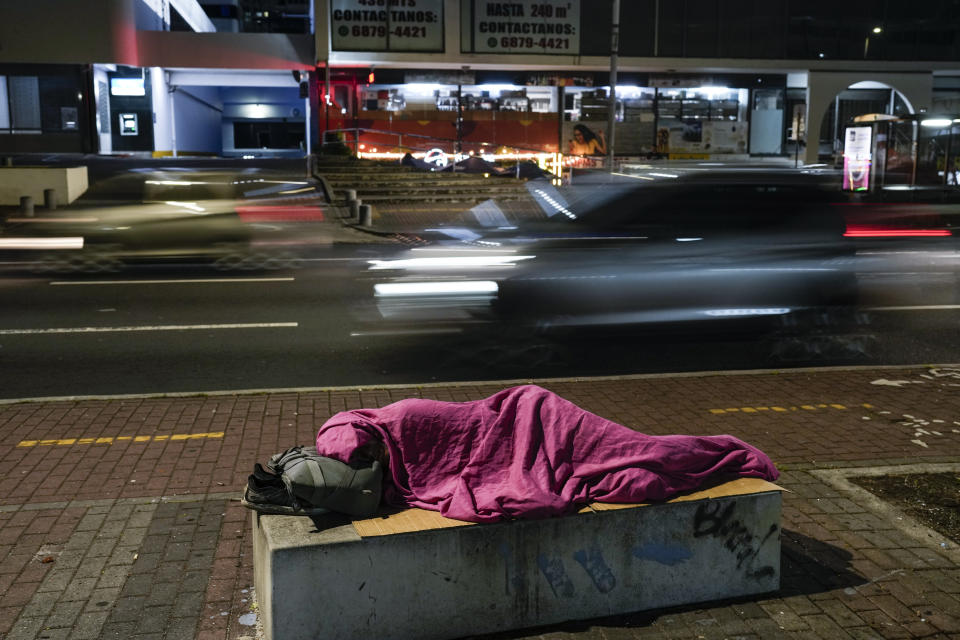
612 110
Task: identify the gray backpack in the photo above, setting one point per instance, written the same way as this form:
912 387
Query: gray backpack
313 484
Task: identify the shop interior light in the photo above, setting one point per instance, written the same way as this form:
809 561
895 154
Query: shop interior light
497 87
936 122
712 92
422 88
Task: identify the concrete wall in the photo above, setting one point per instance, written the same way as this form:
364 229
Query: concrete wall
198 120
162 110
53 31
151 15
106 31
226 50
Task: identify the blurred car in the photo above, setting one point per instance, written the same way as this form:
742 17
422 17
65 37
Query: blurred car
706 251
230 221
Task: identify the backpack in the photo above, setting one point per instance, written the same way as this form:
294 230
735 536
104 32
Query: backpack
299 481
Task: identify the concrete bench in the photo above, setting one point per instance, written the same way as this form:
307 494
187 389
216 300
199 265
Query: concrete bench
415 574
69 183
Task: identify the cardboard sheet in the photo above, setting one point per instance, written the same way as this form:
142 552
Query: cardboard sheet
413 520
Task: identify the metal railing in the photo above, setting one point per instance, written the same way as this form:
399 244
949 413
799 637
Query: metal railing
351 136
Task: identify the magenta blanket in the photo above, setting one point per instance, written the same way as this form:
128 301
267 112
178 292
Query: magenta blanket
526 452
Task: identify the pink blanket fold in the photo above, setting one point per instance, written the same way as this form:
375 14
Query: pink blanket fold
526 452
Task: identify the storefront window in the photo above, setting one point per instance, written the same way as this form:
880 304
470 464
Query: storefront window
443 97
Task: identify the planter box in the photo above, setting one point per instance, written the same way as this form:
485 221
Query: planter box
415 574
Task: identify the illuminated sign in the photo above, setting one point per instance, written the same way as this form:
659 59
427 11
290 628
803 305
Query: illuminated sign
127 87
857 154
527 26
387 25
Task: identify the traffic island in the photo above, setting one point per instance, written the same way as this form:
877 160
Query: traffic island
415 574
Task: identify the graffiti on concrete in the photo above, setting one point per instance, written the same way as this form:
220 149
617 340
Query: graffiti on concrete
556 575
668 554
596 567
512 577
715 518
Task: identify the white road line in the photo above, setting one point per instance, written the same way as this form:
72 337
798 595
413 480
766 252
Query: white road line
358 259
924 307
162 327
195 281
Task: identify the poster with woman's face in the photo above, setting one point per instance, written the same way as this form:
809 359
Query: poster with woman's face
585 141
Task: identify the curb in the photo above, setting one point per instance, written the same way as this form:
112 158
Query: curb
469 383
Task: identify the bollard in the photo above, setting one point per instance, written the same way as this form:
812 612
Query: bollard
366 215
354 209
351 194
50 199
8 161
26 206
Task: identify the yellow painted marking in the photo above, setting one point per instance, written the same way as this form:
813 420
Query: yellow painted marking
806 407
867 406
112 439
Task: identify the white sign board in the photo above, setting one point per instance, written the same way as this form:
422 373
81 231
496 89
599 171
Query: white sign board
856 144
379 25
527 26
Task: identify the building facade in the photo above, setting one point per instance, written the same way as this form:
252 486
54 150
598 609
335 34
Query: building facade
695 78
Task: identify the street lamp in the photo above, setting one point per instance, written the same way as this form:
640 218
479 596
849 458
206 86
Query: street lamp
866 41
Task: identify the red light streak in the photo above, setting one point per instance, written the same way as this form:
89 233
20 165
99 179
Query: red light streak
278 213
864 231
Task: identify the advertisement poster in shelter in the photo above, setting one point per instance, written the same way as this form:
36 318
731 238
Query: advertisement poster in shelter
857 154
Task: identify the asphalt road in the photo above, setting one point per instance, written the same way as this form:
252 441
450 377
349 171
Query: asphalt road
166 330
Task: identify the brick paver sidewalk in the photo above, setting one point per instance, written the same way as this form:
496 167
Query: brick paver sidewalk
119 518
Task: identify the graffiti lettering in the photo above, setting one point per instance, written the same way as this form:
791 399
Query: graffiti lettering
715 519
596 567
556 575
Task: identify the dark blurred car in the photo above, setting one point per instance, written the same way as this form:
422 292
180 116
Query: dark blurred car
706 251
224 219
